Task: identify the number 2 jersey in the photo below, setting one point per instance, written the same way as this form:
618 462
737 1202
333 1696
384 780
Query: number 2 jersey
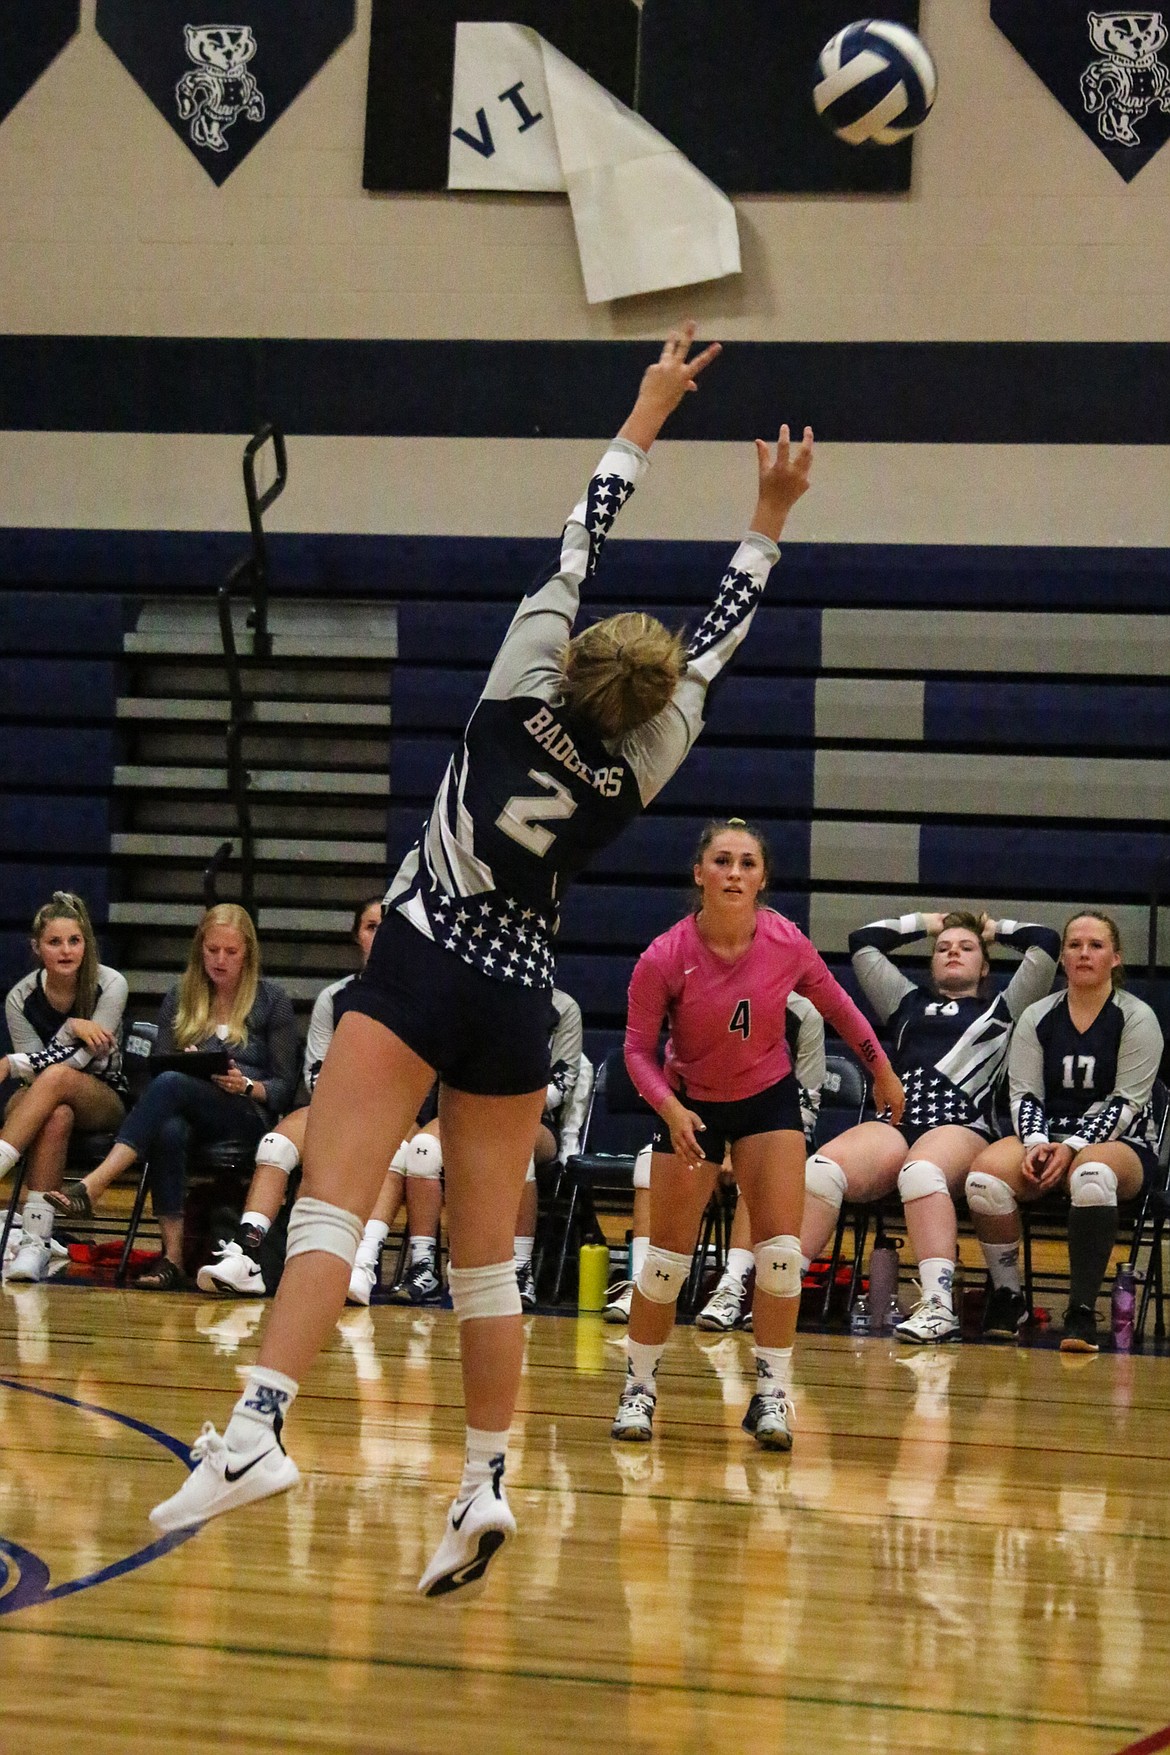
726 1020
534 792
949 1053
1085 1087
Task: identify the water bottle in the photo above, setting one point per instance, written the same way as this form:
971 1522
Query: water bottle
859 1316
1124 1305
883 1285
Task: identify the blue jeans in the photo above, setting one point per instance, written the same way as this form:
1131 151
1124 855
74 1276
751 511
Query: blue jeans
175 1110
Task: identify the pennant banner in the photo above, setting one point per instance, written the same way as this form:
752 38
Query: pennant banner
524 116
222 84
1109 70
30 38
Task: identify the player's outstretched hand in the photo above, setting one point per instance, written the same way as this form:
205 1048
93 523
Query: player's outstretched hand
888 1095
784 477
666 382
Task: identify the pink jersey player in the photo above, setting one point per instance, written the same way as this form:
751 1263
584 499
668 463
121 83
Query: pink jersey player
726 1020
721 978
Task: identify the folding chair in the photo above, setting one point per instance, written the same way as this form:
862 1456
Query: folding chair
844 1096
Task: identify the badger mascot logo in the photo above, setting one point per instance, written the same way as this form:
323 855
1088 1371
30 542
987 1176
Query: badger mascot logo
219 88
1129 79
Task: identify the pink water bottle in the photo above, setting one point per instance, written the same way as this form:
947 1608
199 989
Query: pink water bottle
1124 1305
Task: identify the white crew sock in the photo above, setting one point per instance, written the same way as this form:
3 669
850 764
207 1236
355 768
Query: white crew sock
421 1249
268 1396
252 1221
773 1369
937 1274
522 1250
639 1250
36 1220
1003 1264
373 1237
484 1460
740 1262
642 1363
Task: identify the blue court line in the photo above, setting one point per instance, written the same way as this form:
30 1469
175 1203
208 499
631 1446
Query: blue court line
31 1585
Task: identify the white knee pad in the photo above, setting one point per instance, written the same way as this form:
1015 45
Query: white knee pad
424 1157
1093 1185
825 1179
531 1173
642 1167
315 1225
485 1291
919 1178
398 1161
278 1151
988 1195
664 1274
778 1266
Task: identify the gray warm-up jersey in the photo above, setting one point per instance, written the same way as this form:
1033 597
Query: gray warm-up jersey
534 793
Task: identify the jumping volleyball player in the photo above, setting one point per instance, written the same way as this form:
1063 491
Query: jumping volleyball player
570 740
721 979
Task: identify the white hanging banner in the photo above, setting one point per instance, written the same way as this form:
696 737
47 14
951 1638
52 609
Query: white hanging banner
523 116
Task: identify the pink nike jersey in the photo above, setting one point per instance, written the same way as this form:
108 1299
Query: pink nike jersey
726 1020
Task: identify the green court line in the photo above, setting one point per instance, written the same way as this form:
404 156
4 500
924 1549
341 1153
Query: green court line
278 1654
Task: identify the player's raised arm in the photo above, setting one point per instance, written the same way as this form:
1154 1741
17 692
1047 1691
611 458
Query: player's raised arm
664 384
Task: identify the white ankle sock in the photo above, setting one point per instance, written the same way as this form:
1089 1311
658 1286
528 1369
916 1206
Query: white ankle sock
484 1459
1003 1264
642 1366
740 1263
268 1396
522 1250
373 1237
937 1274
421 1249
256 1222
773 1368
36 1220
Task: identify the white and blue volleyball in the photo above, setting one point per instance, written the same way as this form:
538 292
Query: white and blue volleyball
876 83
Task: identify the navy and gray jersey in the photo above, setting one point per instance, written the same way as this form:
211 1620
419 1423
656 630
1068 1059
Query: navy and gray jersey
322 1023
804 1030
565 1046
534 792
1085 1087
949 1053
41 1036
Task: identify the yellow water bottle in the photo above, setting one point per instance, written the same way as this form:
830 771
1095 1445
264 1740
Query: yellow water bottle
592 1276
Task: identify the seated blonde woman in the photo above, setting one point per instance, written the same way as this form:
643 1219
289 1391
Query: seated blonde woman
222 1001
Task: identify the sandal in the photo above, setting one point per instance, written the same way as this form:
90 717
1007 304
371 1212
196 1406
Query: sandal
161 1275
72 1202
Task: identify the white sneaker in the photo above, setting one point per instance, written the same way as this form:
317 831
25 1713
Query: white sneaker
477 1529
31 1260
57 1251
233 1270
930 1321
634 1420
618 1307
770 1420
223 1479
362 1280
722 1310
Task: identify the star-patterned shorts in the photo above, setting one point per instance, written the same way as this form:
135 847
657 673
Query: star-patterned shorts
486 1037
932 1101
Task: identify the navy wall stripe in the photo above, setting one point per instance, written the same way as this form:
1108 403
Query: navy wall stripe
1098 863
427 568
928 392
1050 716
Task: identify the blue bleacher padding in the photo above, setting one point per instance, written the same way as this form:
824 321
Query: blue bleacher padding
52 622
1096 716
70 825
24 887
58 688
470 633
57 756
598 982
1092 862
432 698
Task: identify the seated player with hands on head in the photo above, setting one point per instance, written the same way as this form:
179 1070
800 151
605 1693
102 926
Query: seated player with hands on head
222 1003
572 738
1081 1068
65 1023
949 1042
721 979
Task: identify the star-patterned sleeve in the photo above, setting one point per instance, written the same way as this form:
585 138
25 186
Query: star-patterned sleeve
528 662
656 750
1026 1079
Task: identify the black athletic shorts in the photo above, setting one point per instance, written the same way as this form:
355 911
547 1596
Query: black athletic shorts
775 1110
486 1037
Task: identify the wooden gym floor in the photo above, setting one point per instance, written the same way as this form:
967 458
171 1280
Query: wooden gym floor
967 1551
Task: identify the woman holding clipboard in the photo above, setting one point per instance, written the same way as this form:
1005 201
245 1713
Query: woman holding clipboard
240 1030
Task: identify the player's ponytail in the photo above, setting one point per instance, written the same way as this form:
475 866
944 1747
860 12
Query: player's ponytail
621 672
64 905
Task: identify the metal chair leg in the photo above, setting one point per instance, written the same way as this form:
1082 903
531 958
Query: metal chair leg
834 1264
135 1221
10 1215
1153 1273
567 1233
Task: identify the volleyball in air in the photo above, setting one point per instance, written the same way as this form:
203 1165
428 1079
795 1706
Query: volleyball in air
875 83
